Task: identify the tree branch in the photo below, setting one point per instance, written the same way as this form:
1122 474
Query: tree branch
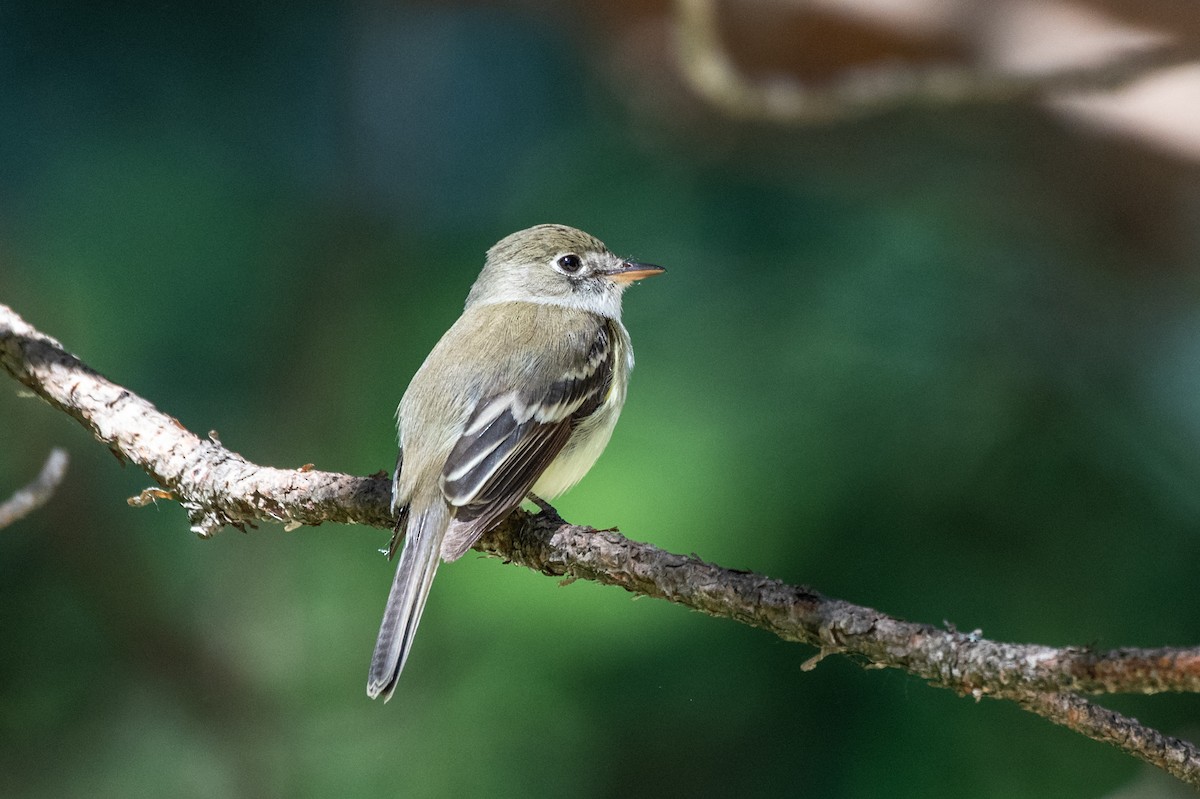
219 487
1178 758
216 487
33 496
862 91
964 662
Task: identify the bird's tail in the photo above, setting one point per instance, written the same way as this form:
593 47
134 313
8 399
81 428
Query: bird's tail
410 588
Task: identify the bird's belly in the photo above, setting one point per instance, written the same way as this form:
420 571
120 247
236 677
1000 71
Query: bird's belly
580 452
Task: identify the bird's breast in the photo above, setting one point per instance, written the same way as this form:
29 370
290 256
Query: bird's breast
592 434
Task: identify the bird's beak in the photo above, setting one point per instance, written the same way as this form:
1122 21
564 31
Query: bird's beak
629 271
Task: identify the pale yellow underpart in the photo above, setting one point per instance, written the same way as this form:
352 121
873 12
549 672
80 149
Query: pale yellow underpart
592 435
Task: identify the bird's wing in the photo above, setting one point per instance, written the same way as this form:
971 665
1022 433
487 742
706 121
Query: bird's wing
511 438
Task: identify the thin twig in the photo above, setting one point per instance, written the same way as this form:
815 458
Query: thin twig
28 499
218 487
1178 758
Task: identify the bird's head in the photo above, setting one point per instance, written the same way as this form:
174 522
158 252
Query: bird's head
557 265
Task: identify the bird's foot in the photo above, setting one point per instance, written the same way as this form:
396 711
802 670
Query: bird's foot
546 508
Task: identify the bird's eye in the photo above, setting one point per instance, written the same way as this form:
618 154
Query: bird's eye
570 264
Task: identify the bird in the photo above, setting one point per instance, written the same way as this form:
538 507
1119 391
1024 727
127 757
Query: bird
517 400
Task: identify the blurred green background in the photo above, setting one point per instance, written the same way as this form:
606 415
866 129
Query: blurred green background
943 362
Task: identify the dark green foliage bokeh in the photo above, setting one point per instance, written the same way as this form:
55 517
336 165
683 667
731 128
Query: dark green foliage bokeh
943 363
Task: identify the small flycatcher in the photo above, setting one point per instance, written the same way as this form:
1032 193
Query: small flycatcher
520 396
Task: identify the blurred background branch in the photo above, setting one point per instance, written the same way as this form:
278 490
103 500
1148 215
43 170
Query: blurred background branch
219 488
1108 63
875 88
31 497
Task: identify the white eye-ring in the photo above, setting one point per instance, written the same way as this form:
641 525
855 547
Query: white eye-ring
569 264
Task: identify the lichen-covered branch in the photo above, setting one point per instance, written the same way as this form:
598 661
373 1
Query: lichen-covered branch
219 487
965 662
